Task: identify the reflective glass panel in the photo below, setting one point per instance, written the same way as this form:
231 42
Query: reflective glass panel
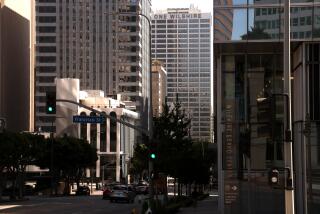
263 2
230 2
316 22
301 23
263 24
303 1
230 24
252 137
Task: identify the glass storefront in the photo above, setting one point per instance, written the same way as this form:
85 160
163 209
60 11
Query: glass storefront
252 137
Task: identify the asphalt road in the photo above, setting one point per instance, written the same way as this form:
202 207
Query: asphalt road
72 205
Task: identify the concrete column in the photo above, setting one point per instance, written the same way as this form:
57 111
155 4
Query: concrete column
118 151
108 134
88 139
98 150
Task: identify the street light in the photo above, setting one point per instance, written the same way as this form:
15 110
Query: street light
289 192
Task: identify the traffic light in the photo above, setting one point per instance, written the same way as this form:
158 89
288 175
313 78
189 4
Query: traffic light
51 102
274 177
152 155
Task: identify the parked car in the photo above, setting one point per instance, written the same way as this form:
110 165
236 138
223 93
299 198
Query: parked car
142 189
83 190
122 193
107 191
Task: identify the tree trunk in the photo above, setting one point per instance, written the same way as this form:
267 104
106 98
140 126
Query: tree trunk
14 187
66 190
20 185
2 180
186 189
179 188
166 190
174 187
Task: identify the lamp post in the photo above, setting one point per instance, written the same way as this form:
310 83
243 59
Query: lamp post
150 113
288 160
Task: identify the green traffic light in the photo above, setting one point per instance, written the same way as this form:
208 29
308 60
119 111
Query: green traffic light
153 156
50 109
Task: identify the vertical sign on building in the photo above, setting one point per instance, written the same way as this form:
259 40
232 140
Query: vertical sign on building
231 187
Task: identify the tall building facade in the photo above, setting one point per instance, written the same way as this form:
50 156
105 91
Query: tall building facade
159 87
17 64
250 105
181 40
103 43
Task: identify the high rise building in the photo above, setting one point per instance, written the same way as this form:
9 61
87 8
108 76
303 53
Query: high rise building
181 39
103 43
17 64
159 87
251 106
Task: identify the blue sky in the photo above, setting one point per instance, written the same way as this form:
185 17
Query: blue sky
204 5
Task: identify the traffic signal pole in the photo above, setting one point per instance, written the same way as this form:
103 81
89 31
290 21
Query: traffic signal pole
137 128
288 159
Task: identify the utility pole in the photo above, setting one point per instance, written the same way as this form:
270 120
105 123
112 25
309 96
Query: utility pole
288 159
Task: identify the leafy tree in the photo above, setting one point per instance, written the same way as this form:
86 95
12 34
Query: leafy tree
255 33
20 151
71 156
139 162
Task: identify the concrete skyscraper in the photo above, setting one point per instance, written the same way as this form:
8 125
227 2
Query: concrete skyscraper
182 41
17 64
103 43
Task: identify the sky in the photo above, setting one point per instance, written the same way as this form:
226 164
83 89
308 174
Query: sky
203 5
21 7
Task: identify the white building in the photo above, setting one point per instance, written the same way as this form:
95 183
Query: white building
114 141
181 39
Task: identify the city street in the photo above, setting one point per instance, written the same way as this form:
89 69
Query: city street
72 204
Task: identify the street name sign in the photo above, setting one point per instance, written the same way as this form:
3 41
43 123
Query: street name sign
88 119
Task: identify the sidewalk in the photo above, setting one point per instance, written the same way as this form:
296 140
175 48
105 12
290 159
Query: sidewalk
207 206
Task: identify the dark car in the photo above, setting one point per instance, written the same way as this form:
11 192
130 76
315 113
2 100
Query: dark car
122 193
142 189
83 190
107 191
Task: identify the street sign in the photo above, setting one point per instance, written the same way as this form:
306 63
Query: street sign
88 119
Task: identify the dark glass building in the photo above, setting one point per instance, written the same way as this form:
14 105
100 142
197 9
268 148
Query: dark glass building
250 104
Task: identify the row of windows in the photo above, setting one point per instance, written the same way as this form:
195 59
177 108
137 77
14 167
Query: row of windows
179 26
258 2
206 30
182 50
169 21
175 39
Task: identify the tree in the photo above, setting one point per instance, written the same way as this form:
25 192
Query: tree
255 33
20 151
139 162
71 156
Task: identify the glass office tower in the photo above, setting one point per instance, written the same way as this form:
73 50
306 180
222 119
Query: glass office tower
249 104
